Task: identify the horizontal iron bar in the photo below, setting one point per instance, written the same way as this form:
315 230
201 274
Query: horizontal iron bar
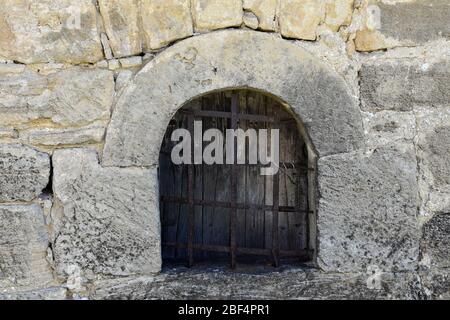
229 205
227 115
250 251
283 165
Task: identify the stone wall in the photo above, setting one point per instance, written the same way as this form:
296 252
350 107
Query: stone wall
78 189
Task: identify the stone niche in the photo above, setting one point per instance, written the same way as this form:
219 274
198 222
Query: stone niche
105 220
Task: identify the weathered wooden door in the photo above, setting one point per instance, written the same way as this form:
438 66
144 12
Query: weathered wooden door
211 212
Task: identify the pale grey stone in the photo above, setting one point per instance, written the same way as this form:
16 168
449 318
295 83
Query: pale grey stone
123 79
75 96
105 221
401 84
317 96
24 172
23 248
403 23
11 68
436 241
367 211
8 133
286 283
433 153
92 133
251 20
52 293
113 64
131 62
385 127
106 48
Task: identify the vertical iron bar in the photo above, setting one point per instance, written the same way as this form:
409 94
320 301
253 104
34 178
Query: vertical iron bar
276 207
190 246
234 173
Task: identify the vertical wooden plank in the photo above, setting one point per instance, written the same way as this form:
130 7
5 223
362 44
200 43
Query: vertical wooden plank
234 177
191 216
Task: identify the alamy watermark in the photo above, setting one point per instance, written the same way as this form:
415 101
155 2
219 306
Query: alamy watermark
228 149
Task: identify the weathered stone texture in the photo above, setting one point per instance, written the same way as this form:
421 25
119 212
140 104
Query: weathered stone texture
367 211
42 136
386 127
23 248
165 21
121 20
289 283
265 12
24 172
433 152
315 93
104 221
216 14
404 23
49 30
401 84
436 241
53 293
75 99
300 19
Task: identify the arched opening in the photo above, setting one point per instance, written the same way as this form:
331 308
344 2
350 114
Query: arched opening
234 212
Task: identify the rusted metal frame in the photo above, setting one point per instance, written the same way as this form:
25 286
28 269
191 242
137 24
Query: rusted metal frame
191 205
234 176
228 205
302 254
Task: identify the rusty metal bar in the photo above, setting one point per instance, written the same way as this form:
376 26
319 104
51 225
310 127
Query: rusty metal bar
228 115
276 208
228 205
234 175
302 254
191 212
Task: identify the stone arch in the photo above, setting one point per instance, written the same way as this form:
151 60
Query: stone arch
314 92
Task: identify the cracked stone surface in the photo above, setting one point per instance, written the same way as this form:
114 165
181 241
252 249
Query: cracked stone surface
105 221
23 248
24 172
287 283
367 212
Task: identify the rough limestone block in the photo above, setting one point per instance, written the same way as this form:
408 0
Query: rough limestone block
401 84
367 211
299 19
121 20
265 11
92 133
35 31
338 13
23 248
216 14
402 23
385 127
105 220
69 100
433 152
436 241
164 21
24 172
